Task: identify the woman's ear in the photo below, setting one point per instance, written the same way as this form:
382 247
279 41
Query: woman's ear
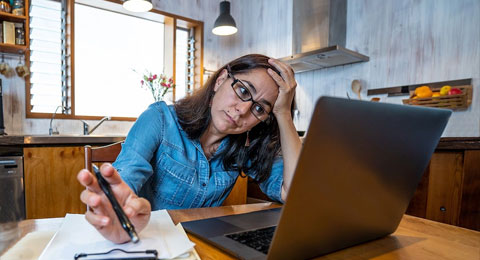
221 78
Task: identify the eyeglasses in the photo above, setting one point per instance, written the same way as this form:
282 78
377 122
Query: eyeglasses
244 94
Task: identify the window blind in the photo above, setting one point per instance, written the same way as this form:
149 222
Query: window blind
46 56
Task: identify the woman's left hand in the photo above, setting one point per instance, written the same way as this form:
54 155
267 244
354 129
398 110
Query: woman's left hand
287 84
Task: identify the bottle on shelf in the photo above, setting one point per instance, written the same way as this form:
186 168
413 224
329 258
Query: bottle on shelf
17 7
19 34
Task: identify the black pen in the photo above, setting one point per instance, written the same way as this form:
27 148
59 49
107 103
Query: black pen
126 224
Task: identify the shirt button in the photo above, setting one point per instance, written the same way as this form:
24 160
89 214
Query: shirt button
204 184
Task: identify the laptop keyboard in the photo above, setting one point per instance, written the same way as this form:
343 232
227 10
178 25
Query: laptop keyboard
259 239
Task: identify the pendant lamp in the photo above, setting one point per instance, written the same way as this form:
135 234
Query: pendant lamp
224 25
138 5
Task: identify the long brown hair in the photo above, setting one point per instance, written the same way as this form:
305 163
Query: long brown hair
194 116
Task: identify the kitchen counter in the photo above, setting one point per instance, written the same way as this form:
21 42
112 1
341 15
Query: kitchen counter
42 140
446 143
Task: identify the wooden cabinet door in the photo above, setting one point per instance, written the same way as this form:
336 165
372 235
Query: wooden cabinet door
470 209
51 186
445 187
450 189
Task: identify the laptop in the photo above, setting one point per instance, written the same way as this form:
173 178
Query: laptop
359 167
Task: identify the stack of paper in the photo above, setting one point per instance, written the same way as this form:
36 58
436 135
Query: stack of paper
77 236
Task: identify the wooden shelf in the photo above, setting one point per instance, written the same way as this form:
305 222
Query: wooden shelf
12 48
12 18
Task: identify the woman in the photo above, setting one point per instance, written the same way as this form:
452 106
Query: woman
189 155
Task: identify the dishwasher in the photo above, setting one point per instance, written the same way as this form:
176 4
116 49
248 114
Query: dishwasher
12 198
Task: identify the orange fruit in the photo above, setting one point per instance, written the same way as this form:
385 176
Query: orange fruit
425 93
422 88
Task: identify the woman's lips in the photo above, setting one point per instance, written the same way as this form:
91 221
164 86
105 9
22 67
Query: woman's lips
230 119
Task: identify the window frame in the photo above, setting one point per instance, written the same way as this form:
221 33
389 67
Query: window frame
171 22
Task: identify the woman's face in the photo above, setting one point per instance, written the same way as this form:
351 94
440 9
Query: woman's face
231 115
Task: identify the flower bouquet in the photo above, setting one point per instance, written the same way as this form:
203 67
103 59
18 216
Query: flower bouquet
159 85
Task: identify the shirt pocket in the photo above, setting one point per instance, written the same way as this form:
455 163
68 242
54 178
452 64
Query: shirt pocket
176 182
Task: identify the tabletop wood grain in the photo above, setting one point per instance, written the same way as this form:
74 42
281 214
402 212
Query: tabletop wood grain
415 238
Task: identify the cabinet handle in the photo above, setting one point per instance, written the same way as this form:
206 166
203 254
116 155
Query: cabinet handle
443 209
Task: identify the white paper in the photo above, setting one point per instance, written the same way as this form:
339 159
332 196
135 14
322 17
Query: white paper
77 236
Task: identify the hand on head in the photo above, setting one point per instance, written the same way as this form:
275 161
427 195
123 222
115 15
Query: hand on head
287 84
101 214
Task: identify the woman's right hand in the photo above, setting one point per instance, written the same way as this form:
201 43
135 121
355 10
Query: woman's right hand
101 214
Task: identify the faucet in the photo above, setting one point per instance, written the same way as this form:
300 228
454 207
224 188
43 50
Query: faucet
50 130
86 126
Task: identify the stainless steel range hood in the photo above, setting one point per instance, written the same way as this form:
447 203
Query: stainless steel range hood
319 33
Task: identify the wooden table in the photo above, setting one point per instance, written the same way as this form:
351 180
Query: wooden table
415 238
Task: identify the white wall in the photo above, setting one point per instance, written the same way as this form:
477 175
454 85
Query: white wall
408 42
263 27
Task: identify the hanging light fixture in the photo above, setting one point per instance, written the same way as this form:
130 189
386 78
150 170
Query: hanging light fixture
224 25
138 5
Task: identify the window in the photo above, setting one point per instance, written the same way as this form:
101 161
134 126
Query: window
92 61
112 51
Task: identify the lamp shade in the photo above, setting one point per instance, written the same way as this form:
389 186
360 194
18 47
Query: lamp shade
138 5
224 25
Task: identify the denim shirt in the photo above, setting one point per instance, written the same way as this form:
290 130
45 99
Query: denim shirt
160 163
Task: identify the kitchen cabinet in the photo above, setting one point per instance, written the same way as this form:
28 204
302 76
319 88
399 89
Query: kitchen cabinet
449 191
51 165
51 186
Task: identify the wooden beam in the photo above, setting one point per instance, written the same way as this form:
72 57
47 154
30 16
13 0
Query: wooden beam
170 35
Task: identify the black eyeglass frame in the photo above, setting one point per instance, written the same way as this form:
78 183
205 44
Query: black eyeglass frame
235 81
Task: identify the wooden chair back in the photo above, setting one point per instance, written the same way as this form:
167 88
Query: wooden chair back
238 195
102 154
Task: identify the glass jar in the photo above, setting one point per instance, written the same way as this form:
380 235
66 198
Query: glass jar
19 34
17 7
5 6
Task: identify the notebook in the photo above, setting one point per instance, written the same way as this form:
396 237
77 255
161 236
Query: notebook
77 236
